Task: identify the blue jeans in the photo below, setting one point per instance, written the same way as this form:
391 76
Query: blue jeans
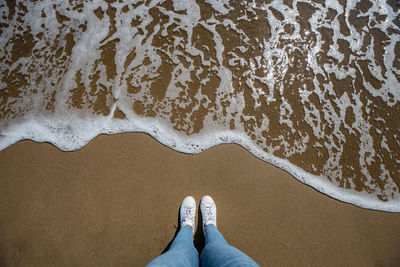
217 252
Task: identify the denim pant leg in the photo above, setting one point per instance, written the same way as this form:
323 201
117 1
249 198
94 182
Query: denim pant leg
181 253
218 252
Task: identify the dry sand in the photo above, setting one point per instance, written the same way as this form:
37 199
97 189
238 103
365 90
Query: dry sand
115 203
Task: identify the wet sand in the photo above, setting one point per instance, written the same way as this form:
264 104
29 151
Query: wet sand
115 203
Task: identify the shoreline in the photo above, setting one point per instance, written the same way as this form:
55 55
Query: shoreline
73 139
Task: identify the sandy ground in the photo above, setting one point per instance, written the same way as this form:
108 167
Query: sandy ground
115 203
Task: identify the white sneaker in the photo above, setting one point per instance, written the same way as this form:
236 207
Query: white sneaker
208 212
188 212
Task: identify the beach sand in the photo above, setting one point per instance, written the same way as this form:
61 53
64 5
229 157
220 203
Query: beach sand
115 203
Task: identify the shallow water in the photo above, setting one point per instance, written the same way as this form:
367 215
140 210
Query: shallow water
309 86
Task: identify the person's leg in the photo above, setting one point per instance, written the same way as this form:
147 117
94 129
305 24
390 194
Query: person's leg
217 251
181 253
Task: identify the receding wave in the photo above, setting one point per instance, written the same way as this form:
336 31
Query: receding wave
309 86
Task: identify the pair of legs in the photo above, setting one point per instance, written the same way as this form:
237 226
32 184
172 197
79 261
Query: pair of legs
217 251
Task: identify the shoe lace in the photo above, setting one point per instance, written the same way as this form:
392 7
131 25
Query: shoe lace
208 213
189 212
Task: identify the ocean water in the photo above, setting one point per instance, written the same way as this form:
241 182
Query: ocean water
312 87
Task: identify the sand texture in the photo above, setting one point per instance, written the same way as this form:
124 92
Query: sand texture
115 203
